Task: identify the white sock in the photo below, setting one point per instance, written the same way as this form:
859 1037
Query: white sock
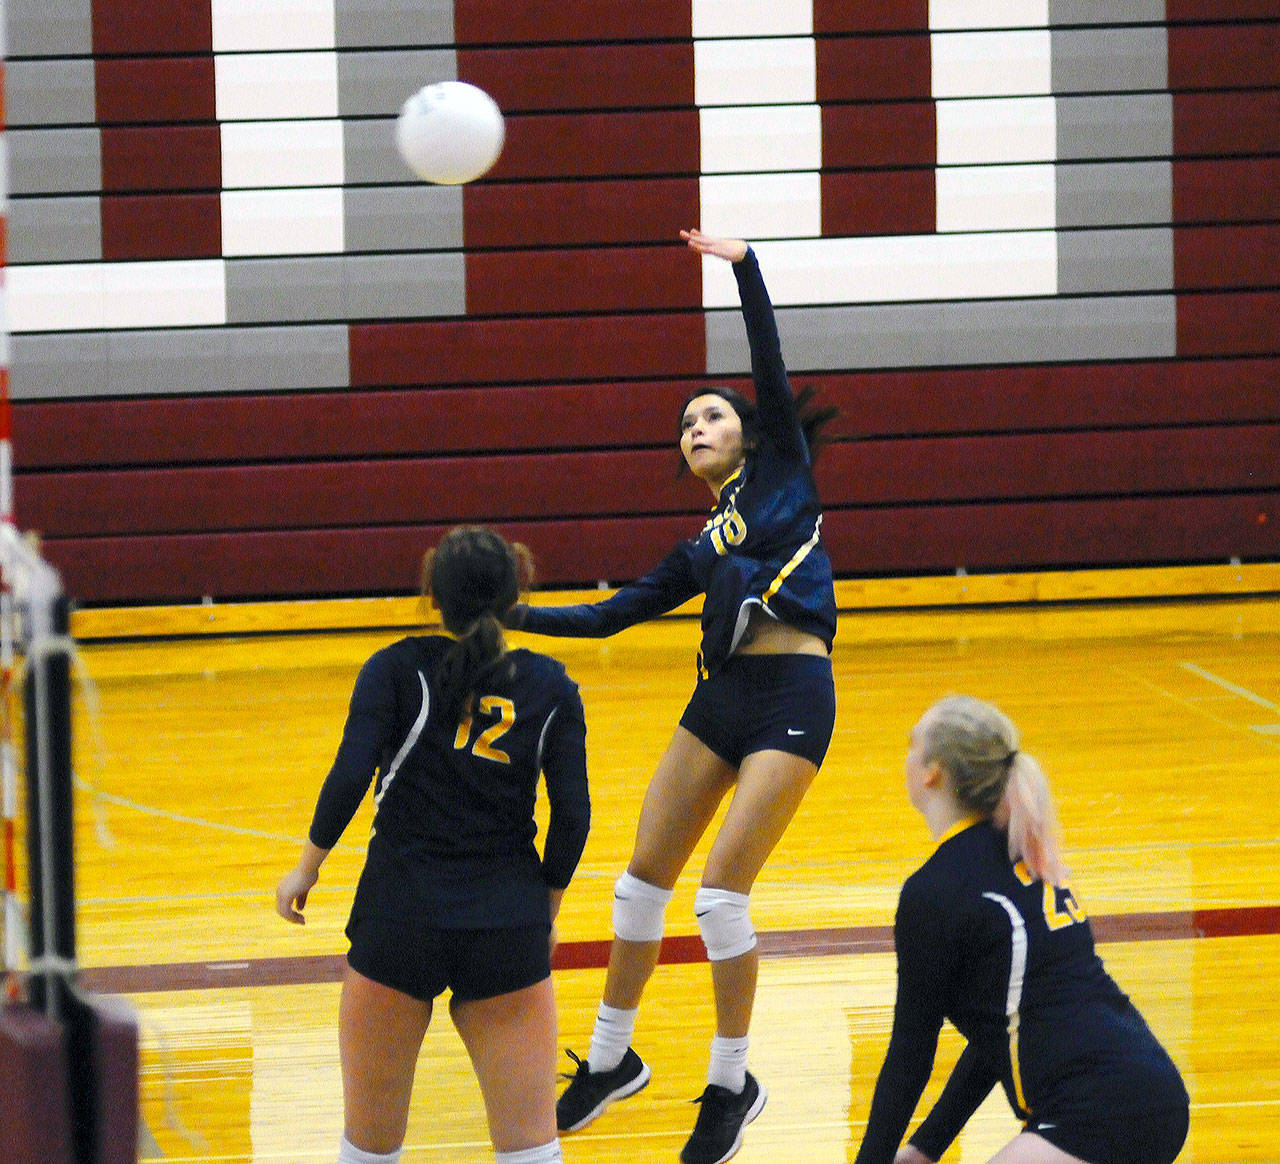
547 1154
728 1063
611 1037
348 1153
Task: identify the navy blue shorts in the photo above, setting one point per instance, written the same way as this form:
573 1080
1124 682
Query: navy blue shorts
423 961
1138 1138
756 703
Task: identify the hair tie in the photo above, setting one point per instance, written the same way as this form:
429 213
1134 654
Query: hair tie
1009 759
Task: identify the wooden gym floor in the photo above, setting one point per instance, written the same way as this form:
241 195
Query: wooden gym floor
1158 722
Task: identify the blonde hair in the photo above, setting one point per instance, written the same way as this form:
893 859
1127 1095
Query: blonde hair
978 747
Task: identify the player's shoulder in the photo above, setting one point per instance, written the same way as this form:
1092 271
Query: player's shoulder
534 666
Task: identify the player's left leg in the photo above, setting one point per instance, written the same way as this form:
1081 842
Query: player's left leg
511 1040
771 785
1029 1148
380 1032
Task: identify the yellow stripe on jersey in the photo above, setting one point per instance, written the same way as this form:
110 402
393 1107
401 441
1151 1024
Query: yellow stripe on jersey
796 558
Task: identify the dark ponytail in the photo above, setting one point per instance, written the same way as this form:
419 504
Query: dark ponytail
474 577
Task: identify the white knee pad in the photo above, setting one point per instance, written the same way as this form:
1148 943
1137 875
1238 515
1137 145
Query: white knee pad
638 909
725 923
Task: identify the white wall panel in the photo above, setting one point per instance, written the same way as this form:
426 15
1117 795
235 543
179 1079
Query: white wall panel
281 153
761 139
780 70
996 197
713 18
991 64
91 296
997 130
266 25
265 86
893 270
762 205
282 222
945 14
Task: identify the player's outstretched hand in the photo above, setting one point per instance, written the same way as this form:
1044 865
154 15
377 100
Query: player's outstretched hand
734 250
291 894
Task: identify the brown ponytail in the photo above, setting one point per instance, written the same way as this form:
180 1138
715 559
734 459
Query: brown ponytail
474 576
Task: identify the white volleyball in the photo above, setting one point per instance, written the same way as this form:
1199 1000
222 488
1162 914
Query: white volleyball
450 132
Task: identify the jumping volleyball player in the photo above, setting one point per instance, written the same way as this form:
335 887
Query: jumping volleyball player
453 894
758 724
990 936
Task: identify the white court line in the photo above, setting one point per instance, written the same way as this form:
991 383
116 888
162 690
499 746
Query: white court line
1234 688
1191 705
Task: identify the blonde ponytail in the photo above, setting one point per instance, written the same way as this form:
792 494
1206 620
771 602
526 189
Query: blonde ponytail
1027 811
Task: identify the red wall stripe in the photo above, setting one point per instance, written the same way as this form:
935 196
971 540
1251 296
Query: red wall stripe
600 145
875 68
143 26
483 22
568 213
1225 189
180 157
869 15
472 351
154 90
879 202
891 134
1224 56
173 226
283 427
561 282
1227 256
597 76
1226 123
1213 324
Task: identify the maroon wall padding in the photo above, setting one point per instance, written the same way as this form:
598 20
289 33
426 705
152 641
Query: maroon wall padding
52 435
1224 56
1241 323
582 76
173 226
620 483
145 159
1225 189
1054 534
142 26
874 68
856 202
1227 256
895 133
872 15
152 89
1228 122
600 144
35 1114
598 211
483 22
560 282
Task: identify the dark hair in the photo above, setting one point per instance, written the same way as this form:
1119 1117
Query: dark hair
813 419
474 576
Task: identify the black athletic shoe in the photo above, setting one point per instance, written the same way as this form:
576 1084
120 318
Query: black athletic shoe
724 1116
590 1092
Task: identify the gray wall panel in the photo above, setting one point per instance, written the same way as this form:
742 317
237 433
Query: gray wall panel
402 218
54 161
1106 60
54 230
345 287
1113 12
369 152
1115 260
196 360
377 84
1135 126
393 22
48 28
951 334
49 93
1114 194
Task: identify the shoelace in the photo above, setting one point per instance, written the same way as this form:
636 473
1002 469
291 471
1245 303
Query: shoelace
578 1062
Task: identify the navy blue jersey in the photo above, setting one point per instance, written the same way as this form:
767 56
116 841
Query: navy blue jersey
454 828
761 546
1010 961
